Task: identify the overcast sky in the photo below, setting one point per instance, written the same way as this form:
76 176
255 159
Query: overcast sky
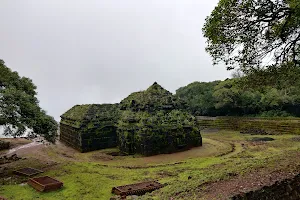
99 51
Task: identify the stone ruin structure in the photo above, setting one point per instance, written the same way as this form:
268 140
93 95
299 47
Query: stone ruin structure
148 122
90 127
154 122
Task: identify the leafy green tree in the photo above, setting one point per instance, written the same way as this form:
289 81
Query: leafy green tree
271 99
19 107
227 97
199 96
282 78
241 33
250 102
232 97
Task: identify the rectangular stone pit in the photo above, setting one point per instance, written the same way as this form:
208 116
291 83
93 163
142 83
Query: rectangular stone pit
45 184
27 172
137 189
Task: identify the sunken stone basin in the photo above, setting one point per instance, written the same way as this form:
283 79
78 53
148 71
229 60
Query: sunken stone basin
45 184
27 172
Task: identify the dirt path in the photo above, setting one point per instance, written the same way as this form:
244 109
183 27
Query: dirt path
210 148
14 143
60 153
24 147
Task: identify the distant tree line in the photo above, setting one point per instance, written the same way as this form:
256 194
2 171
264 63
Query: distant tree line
278 95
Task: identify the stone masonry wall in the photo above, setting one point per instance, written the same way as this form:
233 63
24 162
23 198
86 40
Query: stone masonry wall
70 136
288 189
270 125
98 138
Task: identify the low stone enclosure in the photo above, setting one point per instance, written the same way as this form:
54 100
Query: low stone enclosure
149 122
252 125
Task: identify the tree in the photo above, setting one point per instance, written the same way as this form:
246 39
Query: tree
281 78
279 96
19 107
227 96
243 33
199 96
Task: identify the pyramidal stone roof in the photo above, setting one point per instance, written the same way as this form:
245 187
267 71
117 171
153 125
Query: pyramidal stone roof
153 99
77 112
80 114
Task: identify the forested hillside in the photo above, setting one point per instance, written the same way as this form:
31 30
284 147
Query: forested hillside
274 95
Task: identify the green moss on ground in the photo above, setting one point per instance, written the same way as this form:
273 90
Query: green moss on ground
85 178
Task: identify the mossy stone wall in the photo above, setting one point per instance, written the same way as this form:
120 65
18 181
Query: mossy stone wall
284 190
70 136
272 125
98 138
159 142
148 122
154 122
90 127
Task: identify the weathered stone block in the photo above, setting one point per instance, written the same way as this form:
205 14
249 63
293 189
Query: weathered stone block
153 122
90 127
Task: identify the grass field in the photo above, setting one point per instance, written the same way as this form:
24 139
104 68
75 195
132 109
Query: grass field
225 156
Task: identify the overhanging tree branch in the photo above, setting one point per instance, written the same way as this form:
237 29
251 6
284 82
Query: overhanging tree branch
257 29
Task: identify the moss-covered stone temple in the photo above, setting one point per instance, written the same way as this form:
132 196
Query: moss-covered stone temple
90 127
149 122
154 122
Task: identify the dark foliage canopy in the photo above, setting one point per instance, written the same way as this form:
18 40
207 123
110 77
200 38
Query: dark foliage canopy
199 96
247 34
19 107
